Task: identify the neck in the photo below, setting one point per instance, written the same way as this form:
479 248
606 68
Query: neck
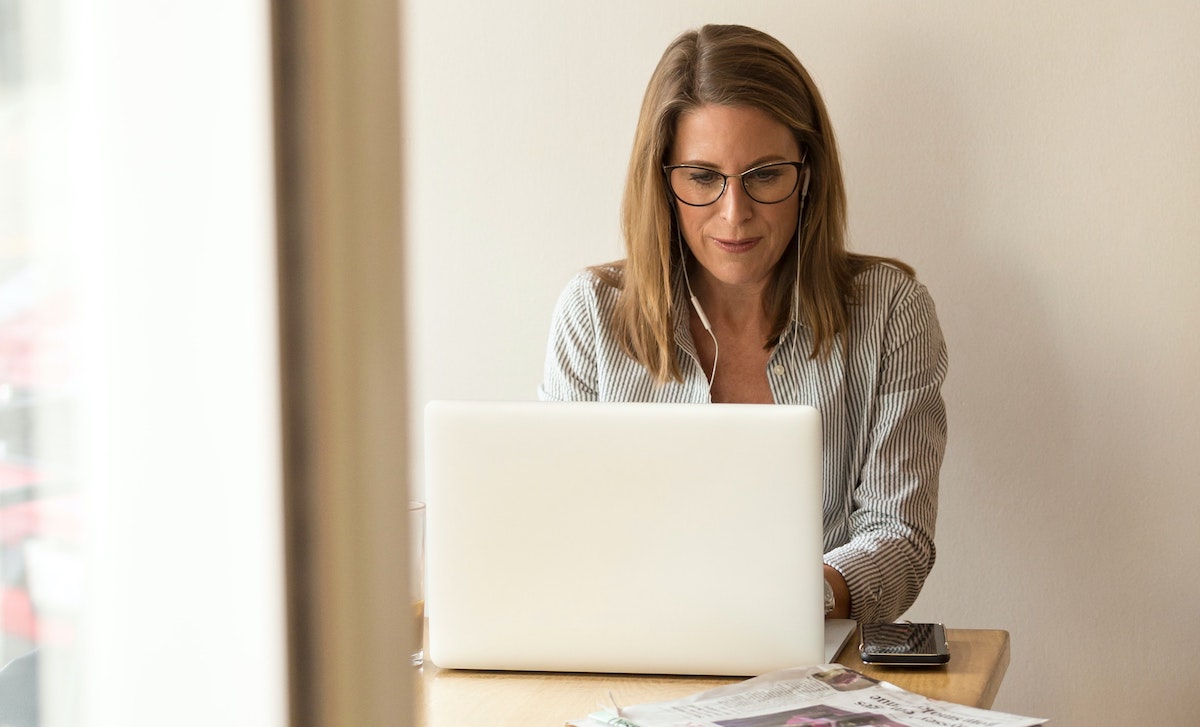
735 306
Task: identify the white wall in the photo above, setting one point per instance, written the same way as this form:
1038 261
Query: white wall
1037 162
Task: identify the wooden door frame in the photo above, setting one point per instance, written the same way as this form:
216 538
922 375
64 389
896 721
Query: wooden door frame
340 257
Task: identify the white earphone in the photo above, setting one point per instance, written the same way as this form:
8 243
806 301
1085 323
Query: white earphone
687 281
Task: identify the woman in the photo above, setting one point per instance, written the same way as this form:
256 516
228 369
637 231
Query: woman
737 287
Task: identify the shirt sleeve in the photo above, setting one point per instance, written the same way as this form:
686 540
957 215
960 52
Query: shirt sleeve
894 508
570 372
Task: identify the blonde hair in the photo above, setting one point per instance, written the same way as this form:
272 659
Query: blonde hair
731 65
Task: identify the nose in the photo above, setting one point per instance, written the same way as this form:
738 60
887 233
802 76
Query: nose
736 206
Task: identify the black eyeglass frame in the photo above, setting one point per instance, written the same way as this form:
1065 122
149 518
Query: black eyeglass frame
725 181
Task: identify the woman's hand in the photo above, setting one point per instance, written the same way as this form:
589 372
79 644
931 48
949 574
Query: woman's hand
841 593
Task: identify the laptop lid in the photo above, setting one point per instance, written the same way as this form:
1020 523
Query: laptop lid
636 538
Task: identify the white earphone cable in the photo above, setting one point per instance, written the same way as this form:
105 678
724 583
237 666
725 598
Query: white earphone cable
696 303
699 310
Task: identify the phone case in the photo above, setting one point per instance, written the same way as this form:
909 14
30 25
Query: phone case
904 644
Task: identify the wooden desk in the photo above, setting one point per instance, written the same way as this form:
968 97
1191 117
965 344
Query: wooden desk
452 698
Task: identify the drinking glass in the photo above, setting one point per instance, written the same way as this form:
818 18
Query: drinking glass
416 571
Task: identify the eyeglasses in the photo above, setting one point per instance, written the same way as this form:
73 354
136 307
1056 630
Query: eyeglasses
700 186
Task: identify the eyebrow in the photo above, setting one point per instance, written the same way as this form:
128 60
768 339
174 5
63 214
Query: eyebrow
767 159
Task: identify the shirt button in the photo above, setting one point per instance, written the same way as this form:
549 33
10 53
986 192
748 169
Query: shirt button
779 369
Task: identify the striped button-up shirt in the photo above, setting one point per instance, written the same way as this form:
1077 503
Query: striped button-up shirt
883 418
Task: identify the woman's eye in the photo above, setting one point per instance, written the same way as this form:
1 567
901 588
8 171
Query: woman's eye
701 176
765 176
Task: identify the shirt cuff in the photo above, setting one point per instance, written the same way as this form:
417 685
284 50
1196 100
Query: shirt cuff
862 578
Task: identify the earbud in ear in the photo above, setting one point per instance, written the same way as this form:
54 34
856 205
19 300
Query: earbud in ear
804 186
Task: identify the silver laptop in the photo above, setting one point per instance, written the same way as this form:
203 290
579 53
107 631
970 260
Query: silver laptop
633 538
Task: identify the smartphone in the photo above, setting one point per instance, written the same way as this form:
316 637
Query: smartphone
904 644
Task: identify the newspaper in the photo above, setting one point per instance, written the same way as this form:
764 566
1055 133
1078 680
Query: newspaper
818 696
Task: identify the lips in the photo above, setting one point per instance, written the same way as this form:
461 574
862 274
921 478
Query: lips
738 245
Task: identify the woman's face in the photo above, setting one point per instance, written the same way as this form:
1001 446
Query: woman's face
737 241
